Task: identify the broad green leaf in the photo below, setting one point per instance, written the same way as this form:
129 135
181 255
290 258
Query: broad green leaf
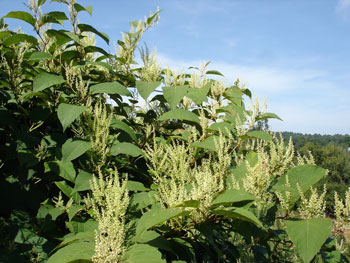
74 253
268 115
156 216
308 235
154 239
305 176
80 8
73 210
72 36
49 211
174 94
145 88
225 127
118 124
53 17
4 34
179 114
38 56
211 143
110 88
126 148
143 199
233 196
73 149
82 181
199 95
88 28
135 186
45 80
65 188
24 16
20 38
41 2
67 113
263 135
190 203
94 49
239 213
67 170
140 252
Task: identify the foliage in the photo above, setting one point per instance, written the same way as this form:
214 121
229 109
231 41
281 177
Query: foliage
96 168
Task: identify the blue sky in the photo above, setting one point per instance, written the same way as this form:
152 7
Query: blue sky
296 53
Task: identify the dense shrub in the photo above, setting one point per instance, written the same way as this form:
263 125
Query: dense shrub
105 160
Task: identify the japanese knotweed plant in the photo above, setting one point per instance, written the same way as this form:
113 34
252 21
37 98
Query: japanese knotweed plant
110 201
179 177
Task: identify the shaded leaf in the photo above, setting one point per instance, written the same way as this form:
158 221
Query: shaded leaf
38 56
268 115
74 252
239 213
125 148
20 38
45 80
73 149
154 217
118 124
88 28
82 181
67 113
139 252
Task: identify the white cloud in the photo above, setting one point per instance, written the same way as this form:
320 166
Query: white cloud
343 8
308 100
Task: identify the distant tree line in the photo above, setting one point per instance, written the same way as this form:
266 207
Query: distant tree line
330 152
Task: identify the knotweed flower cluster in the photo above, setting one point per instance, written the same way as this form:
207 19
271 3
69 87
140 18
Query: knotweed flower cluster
179 178
315 205
110 201
342 210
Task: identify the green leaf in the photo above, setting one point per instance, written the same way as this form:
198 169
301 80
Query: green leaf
110 88
225 127
53 17
143 199
263 135
125 148
73 210
239 213
73 149
140 252
4 34
80 8
199 95
154 217
154 239
45 80
38 56
74 253
82 181
118 124
20 38
145 88
268 115
174 94
49 211
67 113
135 186
308 235
232 196
65 188
25 16
88 28
210 143
180 114
94 49
214 72
67 170
304 175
